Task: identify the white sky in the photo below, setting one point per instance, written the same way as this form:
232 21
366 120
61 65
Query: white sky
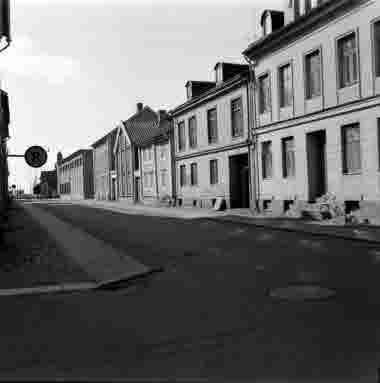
78 67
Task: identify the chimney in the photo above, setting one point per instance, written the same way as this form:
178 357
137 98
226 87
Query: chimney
59 158
162 114
140 106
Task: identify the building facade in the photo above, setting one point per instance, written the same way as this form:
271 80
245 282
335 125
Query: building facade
104 167
144 157
317 98
5 40
212 140
48 184
75 175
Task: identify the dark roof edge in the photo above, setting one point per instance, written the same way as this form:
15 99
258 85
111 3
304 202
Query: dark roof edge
325 10
100 140
234 81
75 154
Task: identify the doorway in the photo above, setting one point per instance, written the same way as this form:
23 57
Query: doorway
113 189
137 189
316 163
239 181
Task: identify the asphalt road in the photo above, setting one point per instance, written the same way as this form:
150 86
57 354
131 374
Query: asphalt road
209 314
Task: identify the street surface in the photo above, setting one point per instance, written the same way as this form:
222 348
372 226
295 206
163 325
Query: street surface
208 314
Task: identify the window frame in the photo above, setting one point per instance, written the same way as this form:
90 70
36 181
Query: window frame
211 140
182 176
180 125
375 48
259 79
193 143
339 63
264 144
194 176
285 170
281 90
307 91
240 133
344 150
216 175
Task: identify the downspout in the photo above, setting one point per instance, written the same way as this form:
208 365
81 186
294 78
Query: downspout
252 123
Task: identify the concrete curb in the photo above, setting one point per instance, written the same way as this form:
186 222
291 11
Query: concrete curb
113 284
294 229
101 261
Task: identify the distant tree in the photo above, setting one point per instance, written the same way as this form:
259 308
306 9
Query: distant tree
37 189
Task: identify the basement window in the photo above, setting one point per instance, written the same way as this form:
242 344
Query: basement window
287 205
350 206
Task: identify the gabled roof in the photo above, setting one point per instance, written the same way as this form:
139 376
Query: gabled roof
141 125
144 127
75 154
318 16
111 134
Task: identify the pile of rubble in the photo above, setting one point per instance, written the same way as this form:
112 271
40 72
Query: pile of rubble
328 210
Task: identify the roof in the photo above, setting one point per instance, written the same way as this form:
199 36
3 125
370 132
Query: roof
212 93
323 13
75 154
205 83
145 127
100 141
277 16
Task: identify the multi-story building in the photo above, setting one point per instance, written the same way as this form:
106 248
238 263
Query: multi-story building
143 156
104 167
75 175
317 92
5 40
48 184
212 140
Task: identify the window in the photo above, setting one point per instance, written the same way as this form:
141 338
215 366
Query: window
163 152
237 117
266 159
264 94
376 42
193 174
378 139
310 4
163 177
348 60
212 126
286 86
288 157
351 148
313 71
213 172
182 175
181 136
192 132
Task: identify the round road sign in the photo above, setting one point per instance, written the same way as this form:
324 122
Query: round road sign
35 156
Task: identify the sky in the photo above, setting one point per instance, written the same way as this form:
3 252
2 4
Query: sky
76 68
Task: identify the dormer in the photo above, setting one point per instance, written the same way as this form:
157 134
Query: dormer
271 20
225 71
196 88
295 8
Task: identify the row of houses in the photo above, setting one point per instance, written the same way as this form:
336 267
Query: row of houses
301 118
5 40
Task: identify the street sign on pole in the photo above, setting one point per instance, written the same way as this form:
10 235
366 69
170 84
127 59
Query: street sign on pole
35 156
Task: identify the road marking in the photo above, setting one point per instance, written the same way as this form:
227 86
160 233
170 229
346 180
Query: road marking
48 289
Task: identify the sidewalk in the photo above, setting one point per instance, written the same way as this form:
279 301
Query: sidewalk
102 262
353 232
369 234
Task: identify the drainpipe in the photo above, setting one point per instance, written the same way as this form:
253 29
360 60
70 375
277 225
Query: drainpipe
252 124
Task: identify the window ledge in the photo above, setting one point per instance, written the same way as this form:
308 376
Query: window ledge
352 173
268 179
341 88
